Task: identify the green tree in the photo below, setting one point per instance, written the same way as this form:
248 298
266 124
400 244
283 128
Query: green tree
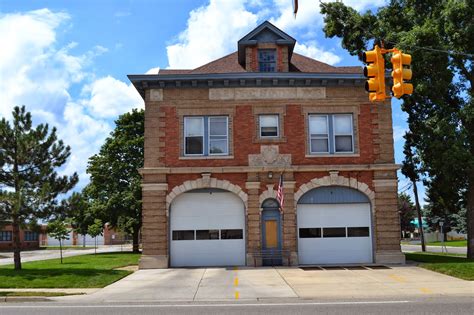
79 212
407 212
115 189
58 229
29 183
94 230
439 35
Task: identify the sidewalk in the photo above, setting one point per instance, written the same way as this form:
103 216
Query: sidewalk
435 249
229 284
44 254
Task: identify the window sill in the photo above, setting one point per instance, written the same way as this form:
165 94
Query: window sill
270 140
207 157
332 155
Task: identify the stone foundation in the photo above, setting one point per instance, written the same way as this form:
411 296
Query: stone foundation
153 262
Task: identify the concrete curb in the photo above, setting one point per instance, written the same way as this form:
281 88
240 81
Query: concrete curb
16 299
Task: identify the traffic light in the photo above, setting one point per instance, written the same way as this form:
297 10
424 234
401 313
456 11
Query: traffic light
375 71
400 73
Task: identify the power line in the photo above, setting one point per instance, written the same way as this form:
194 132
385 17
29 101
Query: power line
449 52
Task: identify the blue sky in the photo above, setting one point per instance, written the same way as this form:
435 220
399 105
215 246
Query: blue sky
67 61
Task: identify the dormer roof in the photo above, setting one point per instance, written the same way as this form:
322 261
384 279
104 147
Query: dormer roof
265 33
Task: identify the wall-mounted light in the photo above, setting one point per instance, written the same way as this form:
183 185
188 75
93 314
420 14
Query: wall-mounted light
270 174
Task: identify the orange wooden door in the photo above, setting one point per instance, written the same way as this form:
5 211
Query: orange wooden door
271 234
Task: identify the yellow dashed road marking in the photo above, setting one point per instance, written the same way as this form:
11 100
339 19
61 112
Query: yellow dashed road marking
237 295
236 281
426 290
397 278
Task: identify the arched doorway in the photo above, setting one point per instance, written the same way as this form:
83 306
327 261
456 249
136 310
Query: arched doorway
334 226
271 232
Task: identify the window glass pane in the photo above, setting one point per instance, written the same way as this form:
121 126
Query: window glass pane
342 124
207 234
31 236
235 234
269 131
183 235
5 236
361 231
343 143
217 146
218 126
268 120
318 125
266 60
266 55
268 125
310 232
334 232
194 145
193 126
319 145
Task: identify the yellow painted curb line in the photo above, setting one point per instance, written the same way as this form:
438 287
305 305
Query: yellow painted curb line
426 290
397 278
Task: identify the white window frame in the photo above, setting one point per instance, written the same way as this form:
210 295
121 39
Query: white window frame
203 136
318 138
260 126
334 133
209 135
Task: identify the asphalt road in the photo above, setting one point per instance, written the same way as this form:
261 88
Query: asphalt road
439 305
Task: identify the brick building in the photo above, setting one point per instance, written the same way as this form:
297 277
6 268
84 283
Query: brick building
218 137
28 239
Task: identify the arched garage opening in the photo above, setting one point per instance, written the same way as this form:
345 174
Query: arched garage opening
207 228
334 226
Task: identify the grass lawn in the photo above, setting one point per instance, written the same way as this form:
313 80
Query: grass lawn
85 271
450 243
453 265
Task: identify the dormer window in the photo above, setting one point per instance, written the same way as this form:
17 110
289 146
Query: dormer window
267 60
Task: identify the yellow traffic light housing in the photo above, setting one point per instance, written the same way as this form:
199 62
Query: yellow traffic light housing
400 73
375 72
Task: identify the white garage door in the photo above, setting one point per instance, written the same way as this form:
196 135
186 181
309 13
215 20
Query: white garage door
334 233
207 229
89 240
54 242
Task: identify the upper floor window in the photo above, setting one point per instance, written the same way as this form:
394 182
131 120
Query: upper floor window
268 126
267 60
206 135
31 236
5 236
331 133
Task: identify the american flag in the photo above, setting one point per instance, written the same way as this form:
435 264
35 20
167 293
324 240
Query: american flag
280 196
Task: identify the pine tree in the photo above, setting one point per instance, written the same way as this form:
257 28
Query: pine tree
30 185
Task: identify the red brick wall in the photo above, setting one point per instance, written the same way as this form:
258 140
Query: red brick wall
24 244
243 135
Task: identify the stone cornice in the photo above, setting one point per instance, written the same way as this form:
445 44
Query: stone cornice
143 82
295 168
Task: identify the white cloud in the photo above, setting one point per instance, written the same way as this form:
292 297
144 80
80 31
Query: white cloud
308 17
35 72
312 51
399 132
108 97
212 32
153 70
362 5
